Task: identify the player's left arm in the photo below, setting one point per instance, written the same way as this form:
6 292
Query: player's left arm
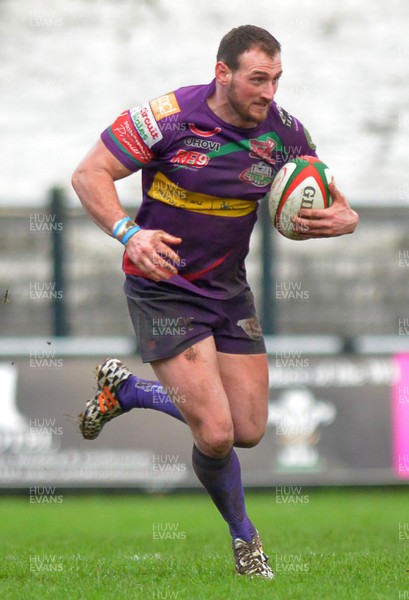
338 219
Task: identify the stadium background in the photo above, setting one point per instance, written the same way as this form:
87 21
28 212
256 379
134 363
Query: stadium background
339 323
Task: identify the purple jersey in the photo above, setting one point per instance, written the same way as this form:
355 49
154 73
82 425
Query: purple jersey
202 179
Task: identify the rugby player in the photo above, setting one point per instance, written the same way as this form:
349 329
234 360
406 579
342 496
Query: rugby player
208 155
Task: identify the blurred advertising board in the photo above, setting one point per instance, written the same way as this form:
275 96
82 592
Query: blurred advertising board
333 420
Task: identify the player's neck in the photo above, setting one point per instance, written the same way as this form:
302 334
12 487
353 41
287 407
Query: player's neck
219 104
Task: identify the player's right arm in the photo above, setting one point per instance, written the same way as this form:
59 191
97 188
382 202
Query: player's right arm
94 182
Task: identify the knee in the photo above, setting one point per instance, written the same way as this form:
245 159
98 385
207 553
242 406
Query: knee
216 441
249 436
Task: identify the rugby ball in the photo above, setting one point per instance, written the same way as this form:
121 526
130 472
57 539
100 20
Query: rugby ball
301 183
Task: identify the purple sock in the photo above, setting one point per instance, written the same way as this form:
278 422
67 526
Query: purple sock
222 479
142 393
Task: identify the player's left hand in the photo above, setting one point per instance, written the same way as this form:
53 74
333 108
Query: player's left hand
338 219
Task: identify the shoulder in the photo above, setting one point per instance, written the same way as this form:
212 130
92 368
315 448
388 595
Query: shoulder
288 126
283 118
179 103
141 133
159 120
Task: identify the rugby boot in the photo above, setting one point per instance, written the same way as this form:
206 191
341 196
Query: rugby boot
104 405
250 558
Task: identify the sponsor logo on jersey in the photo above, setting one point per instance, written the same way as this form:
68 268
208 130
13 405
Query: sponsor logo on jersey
259 174
127 136
263 150
202 133
202 144
165 190
145 124
164 106
190 158
285 117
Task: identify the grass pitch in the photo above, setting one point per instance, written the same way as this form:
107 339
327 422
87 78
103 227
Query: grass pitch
335 544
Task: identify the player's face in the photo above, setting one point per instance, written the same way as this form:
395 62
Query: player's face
250 89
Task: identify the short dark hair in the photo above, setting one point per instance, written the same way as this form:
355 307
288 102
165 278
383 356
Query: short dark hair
244 38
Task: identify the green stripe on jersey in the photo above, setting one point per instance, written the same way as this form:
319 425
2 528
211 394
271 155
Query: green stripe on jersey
245 144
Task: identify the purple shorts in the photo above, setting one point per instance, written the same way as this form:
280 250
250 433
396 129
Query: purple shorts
168 320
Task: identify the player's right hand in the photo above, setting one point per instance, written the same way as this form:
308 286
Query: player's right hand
149 251
338 219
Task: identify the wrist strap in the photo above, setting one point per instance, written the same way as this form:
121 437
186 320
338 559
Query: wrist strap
118 226
130 232
124 229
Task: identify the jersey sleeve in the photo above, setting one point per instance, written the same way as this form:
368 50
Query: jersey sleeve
309 147
301 143
132 138
298 141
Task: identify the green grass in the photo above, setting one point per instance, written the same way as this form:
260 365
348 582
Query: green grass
341 545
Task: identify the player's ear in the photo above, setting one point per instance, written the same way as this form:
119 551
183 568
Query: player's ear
223 73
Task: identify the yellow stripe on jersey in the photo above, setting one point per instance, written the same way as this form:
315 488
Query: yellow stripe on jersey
166 191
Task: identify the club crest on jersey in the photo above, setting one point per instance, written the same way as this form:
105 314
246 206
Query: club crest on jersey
259 174
202 133
263 150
